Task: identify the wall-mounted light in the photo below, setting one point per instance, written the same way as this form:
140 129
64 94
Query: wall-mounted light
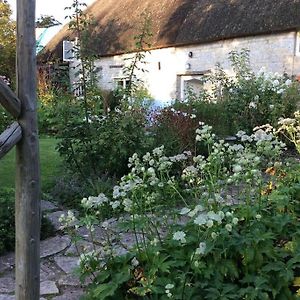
190 54
187 66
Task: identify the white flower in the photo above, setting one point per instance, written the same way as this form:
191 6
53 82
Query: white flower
105 225
214 235
237 147
210 223
235 221
228 227
169 286
127 204
252 104
237 169
184 211
240 133
221 214
201 220
179 236
201 249
258 217
115 204
135 262
288 82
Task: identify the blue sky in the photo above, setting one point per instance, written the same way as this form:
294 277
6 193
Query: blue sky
50 7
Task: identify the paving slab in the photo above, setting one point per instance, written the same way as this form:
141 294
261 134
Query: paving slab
54 245
7 262
99 234
74 294
48 287
49 271
81 246
54 218
69 280
6 297
67 264
48 206
7 285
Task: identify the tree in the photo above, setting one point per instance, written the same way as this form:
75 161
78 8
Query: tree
7 42
46 21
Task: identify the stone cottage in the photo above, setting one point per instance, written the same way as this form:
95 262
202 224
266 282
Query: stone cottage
188 38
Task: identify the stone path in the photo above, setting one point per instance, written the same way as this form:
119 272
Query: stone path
58 260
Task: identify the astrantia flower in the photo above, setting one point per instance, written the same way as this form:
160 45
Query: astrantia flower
235 221
115 204
201 220
228 227
135 262
169 286
214 235
201 249
210 223
179 236
237 169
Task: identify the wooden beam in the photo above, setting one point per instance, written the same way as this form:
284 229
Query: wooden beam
9 138
27 160
9 100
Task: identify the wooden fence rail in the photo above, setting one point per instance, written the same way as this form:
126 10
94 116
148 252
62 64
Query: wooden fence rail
9 138
9 100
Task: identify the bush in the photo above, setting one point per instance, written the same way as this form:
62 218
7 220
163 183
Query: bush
103 145
223 226
7 222
245 99
175 129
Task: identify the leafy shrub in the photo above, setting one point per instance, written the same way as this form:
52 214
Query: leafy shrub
7 222
175 129
102 144
245 99
223 226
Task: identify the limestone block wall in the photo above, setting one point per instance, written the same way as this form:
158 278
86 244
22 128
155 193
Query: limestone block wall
167 67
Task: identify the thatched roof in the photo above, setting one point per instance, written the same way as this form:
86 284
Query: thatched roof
181 22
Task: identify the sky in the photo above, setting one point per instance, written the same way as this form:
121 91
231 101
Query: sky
50 7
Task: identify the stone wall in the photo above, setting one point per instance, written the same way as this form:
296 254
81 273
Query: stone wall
168 68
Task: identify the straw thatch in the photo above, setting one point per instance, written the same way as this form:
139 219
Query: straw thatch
181 22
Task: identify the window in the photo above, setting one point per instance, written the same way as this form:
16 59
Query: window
192 83
121 82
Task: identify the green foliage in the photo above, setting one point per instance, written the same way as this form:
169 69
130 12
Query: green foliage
223 226
137 61
7 237
7 221
102 146
175 128
244 100
7 43
46 21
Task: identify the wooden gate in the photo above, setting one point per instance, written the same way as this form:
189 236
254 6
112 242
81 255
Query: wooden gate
23 133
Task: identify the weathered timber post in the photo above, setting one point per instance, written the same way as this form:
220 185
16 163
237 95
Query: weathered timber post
27 160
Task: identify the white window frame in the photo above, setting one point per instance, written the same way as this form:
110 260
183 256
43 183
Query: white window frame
68 52
117 80
297 44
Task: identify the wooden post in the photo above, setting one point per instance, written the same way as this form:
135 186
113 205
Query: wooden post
27 160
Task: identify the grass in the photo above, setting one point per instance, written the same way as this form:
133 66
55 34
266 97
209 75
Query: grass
50 165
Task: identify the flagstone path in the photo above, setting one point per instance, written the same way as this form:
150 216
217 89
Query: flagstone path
59 258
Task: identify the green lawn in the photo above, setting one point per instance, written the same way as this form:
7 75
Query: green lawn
50 165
